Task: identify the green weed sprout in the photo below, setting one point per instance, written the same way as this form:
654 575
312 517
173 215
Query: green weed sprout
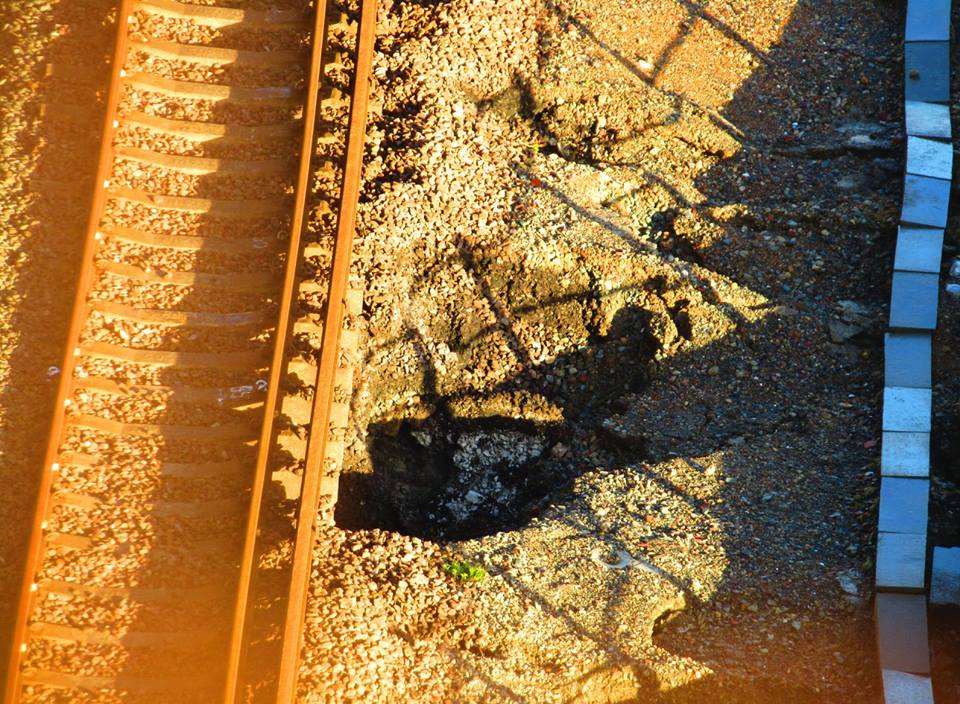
464 571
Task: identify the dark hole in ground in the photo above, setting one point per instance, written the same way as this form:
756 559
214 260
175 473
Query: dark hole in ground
449 477
445 478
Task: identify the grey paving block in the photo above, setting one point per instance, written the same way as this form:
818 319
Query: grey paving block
945 576
903 505
913 300
928 21
906 410
904 688
929 157
907 359
905 455
918 249
927 119
901 562
927 71
925 201
902 633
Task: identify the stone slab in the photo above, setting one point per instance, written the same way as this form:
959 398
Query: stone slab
918 249
907 359
901 562
902 633
928 21
929 157
904 688
928 119
906 410
903 505
913 300
905 455
927 71
945 576
925 201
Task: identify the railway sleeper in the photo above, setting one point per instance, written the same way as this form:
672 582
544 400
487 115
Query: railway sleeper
121 683
80 552
291 480
299 411
183 470
158 56
141 595
214 92
153 316
211 55
206 131
242 209
201 166
247 281
187 242
249 395
202 508
133 639
211 433
227 360
221 16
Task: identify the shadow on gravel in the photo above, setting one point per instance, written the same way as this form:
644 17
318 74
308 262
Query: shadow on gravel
790 413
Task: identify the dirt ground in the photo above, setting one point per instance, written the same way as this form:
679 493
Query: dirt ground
627 269
627 266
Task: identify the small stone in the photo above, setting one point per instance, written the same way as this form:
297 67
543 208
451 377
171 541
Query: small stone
422 437
842 332
848 582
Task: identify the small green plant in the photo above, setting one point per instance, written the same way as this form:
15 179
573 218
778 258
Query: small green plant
464 571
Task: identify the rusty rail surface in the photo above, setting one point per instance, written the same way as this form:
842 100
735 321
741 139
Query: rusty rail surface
73 379
333 324
18 644
232 683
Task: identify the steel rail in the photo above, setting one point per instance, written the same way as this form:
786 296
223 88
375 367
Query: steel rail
233 682
329 353
18 642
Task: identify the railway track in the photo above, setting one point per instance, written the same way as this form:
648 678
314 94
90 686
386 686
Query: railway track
208 351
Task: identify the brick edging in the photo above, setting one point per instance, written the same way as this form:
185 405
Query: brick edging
900 579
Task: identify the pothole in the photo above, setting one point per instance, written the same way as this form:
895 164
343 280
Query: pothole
468 465
449 479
